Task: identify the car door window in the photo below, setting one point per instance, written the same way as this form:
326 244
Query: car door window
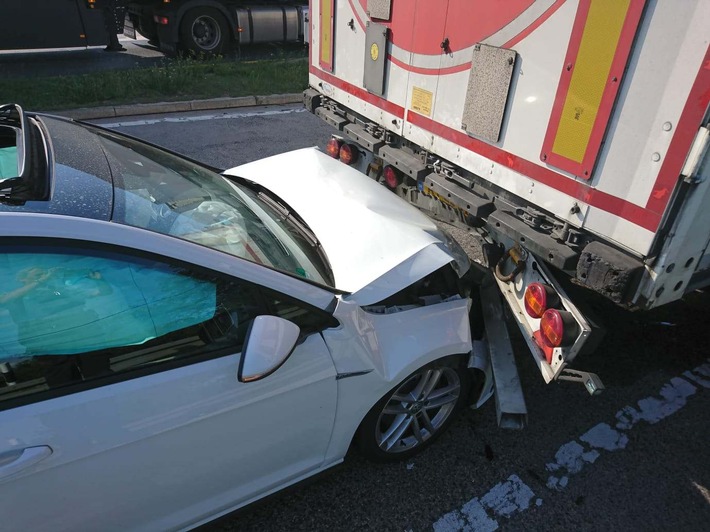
69 317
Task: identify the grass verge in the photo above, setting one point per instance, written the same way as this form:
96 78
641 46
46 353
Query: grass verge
172 80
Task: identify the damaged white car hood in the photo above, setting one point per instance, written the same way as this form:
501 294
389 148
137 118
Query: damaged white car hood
376 243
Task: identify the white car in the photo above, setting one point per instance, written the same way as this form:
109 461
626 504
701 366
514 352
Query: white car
175 344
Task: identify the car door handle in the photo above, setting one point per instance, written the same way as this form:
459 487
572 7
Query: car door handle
15 461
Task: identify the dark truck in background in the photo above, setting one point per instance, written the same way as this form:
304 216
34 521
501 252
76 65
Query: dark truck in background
212 26
42 24
200 26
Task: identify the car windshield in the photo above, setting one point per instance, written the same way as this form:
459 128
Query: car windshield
161 192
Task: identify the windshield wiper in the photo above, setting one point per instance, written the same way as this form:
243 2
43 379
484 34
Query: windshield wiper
283 211
299 226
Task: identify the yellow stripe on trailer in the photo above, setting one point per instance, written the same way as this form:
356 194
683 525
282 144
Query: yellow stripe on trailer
326 34
597 48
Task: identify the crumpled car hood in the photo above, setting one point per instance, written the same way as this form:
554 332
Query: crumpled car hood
377 244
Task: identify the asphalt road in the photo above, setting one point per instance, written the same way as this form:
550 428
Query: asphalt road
636 457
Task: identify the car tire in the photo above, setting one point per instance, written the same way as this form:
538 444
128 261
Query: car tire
204 30
415 412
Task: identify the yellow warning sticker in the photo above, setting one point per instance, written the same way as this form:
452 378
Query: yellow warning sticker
422 101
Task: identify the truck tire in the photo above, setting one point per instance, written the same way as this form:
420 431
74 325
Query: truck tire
204 30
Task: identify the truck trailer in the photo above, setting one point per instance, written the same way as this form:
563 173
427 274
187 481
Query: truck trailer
572 135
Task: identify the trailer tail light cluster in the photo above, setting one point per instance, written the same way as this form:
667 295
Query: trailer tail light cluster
558 328
553 327
392 177
337 149
163 21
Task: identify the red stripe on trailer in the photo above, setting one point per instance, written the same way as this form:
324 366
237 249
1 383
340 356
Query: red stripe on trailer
360 22
685 131
535 25
430 71
457 68
591 196
419 27
368 97
539 21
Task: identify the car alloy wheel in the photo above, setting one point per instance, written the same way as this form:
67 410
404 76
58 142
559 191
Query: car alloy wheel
415 412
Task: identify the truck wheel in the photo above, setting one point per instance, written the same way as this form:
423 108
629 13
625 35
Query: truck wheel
204 30
416 412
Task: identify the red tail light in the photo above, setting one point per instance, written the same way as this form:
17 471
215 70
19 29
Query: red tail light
392 177
333 147
348 153
552 328
164 21
558 328
538 298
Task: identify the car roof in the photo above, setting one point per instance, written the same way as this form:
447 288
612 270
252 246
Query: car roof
79 174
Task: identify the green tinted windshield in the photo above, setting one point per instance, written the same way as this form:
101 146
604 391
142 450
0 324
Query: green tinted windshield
161 192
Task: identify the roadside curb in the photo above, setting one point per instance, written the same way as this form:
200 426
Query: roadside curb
115 111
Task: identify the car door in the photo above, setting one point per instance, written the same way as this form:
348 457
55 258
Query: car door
120 406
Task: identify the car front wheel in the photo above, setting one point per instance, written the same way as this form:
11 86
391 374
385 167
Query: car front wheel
416 412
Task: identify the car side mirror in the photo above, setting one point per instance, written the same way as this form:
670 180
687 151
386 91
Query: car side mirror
269 342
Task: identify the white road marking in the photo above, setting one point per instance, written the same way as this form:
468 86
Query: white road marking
200 118
504 499
508 497
604 437
472 516
697 375
514 496
652 410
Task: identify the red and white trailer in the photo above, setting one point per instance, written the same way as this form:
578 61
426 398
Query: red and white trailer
574 132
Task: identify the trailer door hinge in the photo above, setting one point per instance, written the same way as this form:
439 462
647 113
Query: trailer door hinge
696 155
